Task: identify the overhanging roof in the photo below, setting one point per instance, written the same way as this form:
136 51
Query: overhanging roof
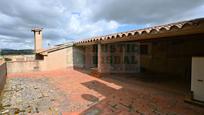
167 30
195 26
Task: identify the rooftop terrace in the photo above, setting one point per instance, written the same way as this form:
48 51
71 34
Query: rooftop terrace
76 92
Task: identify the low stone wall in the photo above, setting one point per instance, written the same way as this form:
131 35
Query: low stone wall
19 57
3 74
25 66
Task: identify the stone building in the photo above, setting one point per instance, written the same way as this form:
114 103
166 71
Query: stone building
171 50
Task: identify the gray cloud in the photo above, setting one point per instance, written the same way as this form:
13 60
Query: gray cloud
68 20
143 11
19 17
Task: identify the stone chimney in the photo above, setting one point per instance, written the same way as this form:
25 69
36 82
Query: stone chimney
37 39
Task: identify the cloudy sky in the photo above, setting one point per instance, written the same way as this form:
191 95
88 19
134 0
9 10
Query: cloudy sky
69 20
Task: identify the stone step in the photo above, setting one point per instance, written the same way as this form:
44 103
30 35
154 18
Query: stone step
95 73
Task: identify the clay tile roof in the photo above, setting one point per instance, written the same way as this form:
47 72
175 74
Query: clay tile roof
56 47
149 30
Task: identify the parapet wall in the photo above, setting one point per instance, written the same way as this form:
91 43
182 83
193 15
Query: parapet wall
3 74
19 57
24 66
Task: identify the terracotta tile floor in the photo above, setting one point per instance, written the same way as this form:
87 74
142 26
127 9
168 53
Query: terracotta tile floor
84 94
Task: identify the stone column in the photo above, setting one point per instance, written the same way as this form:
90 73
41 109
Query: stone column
99 58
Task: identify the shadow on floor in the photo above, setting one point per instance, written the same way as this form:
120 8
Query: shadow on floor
139 94
170 83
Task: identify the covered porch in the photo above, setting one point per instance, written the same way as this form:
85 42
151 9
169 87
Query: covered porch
164 54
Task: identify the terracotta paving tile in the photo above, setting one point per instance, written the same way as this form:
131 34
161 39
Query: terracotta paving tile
89 95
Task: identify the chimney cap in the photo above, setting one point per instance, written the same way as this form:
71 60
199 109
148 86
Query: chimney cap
36 29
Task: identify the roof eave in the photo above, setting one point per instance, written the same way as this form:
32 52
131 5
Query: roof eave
168 30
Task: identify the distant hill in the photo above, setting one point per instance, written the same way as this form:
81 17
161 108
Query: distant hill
15 52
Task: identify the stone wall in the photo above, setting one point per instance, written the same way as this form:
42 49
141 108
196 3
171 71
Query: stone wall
120 58
172 57
89 57
25 66
64 58
56 60
114 57
78 57
3 74
59 59
19 57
